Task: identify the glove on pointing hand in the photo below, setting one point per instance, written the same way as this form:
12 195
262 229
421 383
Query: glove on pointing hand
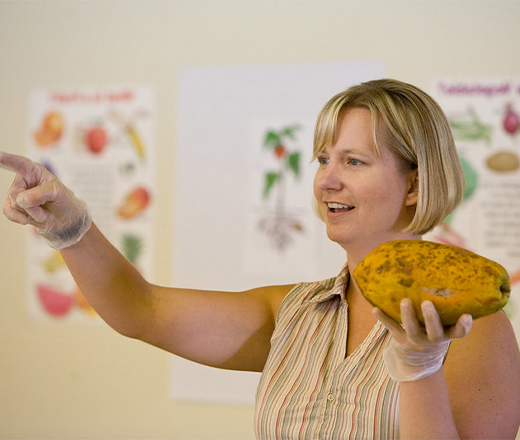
38 198
416 351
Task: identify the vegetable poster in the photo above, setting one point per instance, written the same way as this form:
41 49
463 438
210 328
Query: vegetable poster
99 142
484 116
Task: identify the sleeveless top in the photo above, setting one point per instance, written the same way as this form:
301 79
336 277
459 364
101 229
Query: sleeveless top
309 388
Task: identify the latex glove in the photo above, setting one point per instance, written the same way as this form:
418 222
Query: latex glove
38 198
415 351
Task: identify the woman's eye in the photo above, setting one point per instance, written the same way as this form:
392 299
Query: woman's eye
354 161
322 160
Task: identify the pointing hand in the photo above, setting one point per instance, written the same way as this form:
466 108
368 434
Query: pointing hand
38 198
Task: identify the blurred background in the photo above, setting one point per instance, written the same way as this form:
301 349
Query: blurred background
64 381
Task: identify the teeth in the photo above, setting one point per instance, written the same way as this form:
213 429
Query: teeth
338 206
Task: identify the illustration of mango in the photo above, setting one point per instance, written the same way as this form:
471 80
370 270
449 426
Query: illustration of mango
51 129
135 203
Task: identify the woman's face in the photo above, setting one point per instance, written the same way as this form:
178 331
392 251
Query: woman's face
363 197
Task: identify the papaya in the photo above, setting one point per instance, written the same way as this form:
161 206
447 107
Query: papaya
455 280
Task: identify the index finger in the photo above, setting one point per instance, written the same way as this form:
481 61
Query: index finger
18 164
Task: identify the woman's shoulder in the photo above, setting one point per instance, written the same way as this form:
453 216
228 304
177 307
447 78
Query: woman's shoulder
489 336
483 375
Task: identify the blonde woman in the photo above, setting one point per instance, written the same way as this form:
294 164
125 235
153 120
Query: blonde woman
332 366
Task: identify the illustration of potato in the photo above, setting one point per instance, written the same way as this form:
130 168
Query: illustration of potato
503 161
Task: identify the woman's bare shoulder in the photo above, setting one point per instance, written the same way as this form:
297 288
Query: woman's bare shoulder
273 295
483 377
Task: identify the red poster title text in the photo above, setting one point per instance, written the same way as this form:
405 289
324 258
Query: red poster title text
72 97
478 89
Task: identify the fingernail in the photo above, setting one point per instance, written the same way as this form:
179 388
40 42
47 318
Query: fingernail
20 200
427 305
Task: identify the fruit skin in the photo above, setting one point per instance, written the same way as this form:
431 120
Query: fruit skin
455 280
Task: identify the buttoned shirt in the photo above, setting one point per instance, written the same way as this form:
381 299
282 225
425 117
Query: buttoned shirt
309 388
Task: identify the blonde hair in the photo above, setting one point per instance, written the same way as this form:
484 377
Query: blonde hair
416 130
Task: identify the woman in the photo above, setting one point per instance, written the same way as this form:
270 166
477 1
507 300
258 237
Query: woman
388 170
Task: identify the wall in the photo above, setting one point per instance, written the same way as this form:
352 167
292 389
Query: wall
79 382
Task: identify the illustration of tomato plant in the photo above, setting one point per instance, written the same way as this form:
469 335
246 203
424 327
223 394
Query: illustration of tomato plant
280 225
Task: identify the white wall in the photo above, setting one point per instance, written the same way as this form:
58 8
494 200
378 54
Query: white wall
79 382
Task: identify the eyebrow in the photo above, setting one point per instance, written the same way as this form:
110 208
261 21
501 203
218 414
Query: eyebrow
348 150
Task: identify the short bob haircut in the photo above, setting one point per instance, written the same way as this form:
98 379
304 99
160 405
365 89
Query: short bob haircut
416 130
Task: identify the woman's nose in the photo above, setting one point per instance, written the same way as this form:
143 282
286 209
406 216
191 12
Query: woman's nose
328 178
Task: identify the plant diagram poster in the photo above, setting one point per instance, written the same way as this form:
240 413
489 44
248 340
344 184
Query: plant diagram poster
100 143
485 119
243 191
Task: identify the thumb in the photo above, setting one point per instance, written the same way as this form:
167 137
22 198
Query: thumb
462 327
38 195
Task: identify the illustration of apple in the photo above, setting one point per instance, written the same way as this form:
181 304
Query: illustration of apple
96 139
55 302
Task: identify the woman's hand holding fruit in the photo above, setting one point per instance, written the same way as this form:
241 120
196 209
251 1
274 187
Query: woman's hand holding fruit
415 351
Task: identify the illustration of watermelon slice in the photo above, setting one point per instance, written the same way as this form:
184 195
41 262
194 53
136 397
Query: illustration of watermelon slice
55 302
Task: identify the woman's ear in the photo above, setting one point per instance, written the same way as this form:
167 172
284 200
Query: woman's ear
412 196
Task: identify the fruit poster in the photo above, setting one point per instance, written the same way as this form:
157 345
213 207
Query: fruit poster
100 143
484 116
243 191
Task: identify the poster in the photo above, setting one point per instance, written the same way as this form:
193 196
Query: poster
484 117
100 143
243 191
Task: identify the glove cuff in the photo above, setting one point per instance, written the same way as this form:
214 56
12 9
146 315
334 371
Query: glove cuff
70 236
407 365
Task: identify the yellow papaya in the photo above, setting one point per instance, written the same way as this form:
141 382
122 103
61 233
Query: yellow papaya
455 280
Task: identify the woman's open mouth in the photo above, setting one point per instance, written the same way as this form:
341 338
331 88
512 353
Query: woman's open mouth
338 207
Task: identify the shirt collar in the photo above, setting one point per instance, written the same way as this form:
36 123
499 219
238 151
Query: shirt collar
338 288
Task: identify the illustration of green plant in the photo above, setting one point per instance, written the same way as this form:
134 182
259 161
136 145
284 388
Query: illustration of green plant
280 225
132 246
276 141
470 128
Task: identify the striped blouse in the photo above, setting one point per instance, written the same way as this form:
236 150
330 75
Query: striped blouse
309 389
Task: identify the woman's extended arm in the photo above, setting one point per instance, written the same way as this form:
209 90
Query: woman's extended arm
221 329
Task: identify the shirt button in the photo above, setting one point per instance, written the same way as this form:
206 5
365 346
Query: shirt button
330 397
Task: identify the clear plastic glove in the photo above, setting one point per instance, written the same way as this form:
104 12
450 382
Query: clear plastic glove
415 351
38 198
